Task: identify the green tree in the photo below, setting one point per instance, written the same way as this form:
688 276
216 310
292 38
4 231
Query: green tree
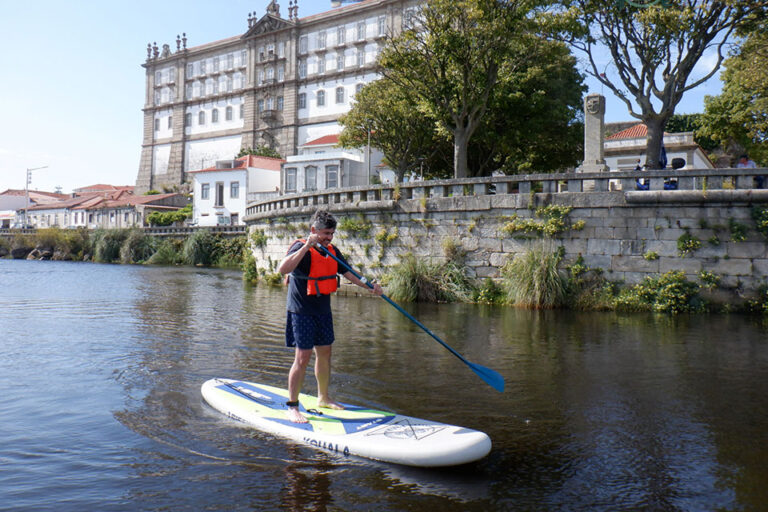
738 117
450 59
653 49
259 151
692 123
389 113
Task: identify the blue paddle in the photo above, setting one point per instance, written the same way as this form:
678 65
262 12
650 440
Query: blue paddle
491 377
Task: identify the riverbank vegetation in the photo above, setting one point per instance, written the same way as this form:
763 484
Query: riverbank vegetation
128 246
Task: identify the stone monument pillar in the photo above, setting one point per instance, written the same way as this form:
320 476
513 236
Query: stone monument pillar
594 134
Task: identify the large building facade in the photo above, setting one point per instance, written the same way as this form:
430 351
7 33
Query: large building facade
284 82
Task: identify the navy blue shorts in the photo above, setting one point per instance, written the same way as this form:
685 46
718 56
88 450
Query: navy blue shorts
308 331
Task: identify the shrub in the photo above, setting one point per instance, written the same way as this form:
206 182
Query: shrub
229 252
651 255
250 270
490 292
587 289
107 244
686 244
669 293
199 248
137 247
709 280
760 216
168 218
417 280
533 279
259 239
738 230
358 227
553 222
168 253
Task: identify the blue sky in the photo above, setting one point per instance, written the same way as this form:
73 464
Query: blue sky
72 85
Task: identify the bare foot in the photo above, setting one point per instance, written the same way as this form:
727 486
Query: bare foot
330 404
295 416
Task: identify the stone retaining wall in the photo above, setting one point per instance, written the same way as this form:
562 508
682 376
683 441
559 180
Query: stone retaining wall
621 231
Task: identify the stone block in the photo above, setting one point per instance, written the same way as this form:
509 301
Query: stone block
607 232
747 249
632 278
575 246
604 246
483 272
632 247
633 264
498 259
670 233
597 261
687 265
514 245
490 244
732 267
760 267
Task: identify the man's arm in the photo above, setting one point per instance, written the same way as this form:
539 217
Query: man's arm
376 290
292 260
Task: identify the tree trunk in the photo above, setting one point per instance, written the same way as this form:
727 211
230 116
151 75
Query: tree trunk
654 142
460 143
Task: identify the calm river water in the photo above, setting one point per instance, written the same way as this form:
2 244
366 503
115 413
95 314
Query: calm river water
101 367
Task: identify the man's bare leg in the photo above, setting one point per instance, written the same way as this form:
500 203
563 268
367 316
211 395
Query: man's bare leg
323 376
295 381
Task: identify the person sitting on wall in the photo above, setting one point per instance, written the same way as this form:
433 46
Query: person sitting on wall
747 163
641 183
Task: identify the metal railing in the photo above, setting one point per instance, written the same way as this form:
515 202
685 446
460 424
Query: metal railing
555 183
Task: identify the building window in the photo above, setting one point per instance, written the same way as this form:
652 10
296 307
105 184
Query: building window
341 32
360 57
321 39
290 179
190 70
170 122
320 98
219 194
331 176
215 116
340 62
228 114
270 103
382 25
229 84
189 91
158 78
279 103
310 178
302 68
234 189
260 105
359 87
360 30
303 44
302 100
157 124
280 73
205 191
215 64
261 77
187 120
339 95
157 97
230 61
321 64
281 49
242 110
201 117
243 57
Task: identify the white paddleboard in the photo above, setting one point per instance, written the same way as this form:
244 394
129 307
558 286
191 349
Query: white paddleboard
360 431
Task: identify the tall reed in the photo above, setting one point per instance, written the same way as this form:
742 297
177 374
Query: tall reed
534 280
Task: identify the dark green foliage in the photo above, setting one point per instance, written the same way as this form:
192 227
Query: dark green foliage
107 244
200 248
137 247
669 293
168 218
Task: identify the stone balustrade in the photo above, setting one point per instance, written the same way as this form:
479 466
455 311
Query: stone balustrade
731 180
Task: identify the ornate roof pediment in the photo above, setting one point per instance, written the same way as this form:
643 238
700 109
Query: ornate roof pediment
268 23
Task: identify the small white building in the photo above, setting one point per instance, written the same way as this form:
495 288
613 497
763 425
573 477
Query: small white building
625 148
321 164
222 192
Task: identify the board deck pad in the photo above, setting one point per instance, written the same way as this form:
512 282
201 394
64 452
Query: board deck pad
360 431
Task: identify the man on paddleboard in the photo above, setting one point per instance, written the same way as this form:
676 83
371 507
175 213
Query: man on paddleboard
309 324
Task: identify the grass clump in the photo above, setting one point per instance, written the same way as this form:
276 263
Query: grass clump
137 247
107 244
418 280
534 280
199 248
167 252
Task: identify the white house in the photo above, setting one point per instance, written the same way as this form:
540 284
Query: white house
222 192
625 148
321 164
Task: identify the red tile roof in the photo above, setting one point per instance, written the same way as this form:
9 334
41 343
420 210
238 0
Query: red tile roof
325 140
259 162
638 131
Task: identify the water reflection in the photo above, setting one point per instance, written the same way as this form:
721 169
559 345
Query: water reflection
602 411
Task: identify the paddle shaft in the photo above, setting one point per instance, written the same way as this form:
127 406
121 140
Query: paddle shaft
396 306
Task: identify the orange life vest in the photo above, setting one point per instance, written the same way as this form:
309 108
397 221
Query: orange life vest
323 272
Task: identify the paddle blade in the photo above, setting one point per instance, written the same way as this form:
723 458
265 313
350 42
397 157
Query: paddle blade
491 377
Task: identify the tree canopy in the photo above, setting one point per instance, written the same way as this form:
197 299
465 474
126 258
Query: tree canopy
653 49
438 111
738 117
259 151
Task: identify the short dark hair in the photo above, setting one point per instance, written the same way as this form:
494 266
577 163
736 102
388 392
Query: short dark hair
744 156
323 220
